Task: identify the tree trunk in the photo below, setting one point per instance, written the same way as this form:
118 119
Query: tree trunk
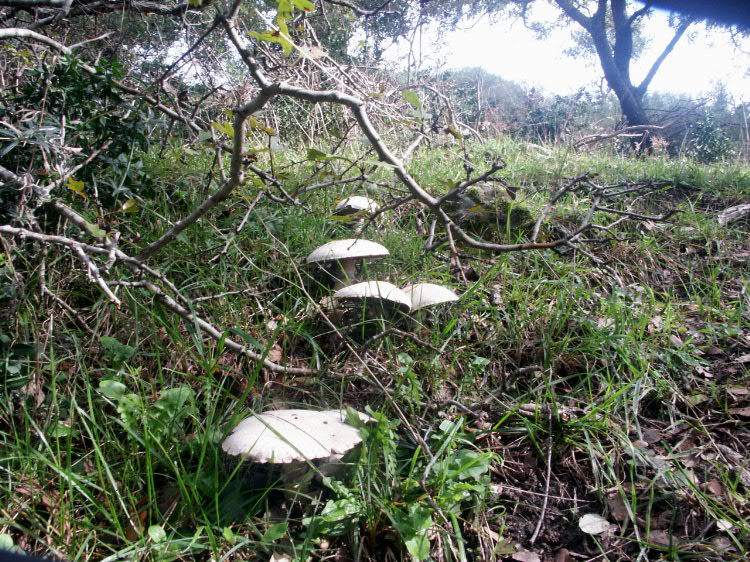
616 55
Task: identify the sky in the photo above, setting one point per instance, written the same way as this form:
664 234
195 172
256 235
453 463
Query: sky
510 50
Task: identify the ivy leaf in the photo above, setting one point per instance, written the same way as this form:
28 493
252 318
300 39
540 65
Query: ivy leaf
76 187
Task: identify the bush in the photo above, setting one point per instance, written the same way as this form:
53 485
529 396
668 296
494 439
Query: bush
707 141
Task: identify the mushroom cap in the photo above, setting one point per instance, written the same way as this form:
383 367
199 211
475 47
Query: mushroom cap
346 249
379 290
428 294
286 436
355 203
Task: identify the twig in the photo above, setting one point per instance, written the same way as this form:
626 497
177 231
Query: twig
239 227
547 478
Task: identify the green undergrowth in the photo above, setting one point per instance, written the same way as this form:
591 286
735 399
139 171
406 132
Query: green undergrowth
554 388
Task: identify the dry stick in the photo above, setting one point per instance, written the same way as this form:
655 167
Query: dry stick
65 306
238 228
358 110
547 478
136 266
236 177
554 199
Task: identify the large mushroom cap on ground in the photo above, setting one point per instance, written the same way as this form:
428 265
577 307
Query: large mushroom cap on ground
428 294
355 204
286 436
347 249
375 290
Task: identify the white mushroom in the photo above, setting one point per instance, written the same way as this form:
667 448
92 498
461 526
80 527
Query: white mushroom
381 291
347 253
428 294
286 436
293 438
355 204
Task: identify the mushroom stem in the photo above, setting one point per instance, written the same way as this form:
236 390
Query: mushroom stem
349 270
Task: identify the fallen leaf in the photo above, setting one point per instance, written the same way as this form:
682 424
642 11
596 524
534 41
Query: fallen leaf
526 556
594 524
743 359
724 525
715 488
651 436
563 555
662 538
275 353
617 507
743 412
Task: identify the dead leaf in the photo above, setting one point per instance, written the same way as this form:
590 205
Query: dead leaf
651 436
275 353
743 412
743 359
526 556
563 555
617 507
662 538
593 524
715 488
724 525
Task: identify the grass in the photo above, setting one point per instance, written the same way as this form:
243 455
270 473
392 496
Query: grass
558 388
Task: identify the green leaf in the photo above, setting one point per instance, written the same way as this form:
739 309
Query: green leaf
157 533
315 154
226 128
413 99
303 5
115 351
229 535
413 526
95 230
255 124
274 532
113 390
130 206
283 40
76 187
130 408
6 543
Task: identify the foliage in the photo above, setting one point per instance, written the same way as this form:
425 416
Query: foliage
707 141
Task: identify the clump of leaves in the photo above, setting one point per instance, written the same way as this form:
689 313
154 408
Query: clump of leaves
160 421
391 485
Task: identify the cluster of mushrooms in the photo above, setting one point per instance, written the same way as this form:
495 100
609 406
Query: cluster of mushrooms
348 253
303 443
